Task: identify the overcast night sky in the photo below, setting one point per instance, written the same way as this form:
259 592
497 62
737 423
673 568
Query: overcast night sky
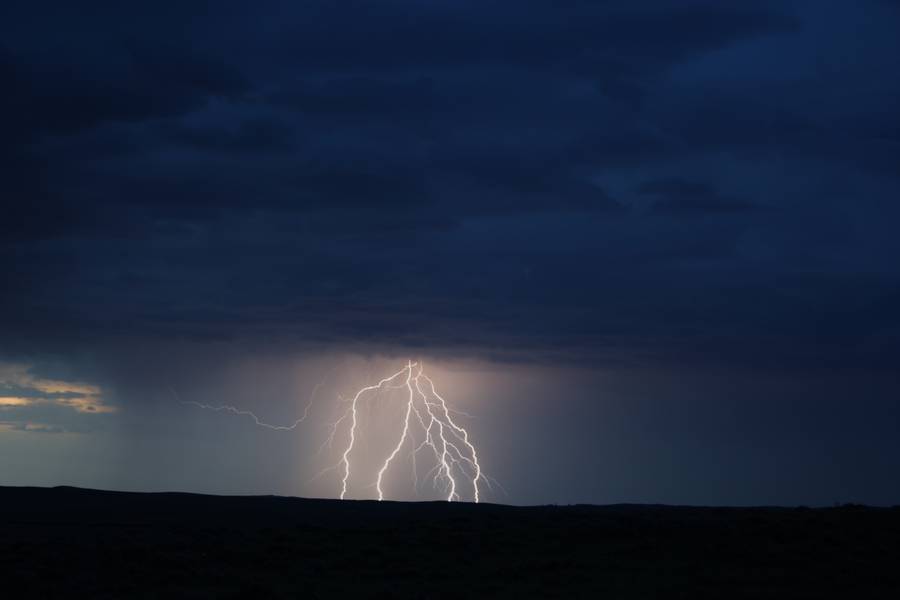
649 247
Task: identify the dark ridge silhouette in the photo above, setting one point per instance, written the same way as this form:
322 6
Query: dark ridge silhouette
71 542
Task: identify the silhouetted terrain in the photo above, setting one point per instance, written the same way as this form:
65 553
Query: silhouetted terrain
66 542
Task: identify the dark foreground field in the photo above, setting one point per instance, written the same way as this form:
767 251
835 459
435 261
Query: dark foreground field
70 542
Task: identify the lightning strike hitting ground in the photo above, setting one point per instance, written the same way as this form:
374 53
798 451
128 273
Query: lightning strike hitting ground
440 433
455 457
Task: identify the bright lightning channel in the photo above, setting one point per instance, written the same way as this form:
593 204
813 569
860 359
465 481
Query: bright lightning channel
455 455
247 413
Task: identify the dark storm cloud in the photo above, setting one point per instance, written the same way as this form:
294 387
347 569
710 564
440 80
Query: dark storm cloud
138 84
579 178
679 196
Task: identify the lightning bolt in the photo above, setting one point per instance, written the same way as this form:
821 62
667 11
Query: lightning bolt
345 460
455 456
409 406
442 435
247 413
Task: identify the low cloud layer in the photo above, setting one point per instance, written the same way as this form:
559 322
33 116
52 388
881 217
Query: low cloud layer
31 403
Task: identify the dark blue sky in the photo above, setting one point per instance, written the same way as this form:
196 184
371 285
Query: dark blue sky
693 204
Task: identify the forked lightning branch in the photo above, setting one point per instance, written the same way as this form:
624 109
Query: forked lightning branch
456 470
